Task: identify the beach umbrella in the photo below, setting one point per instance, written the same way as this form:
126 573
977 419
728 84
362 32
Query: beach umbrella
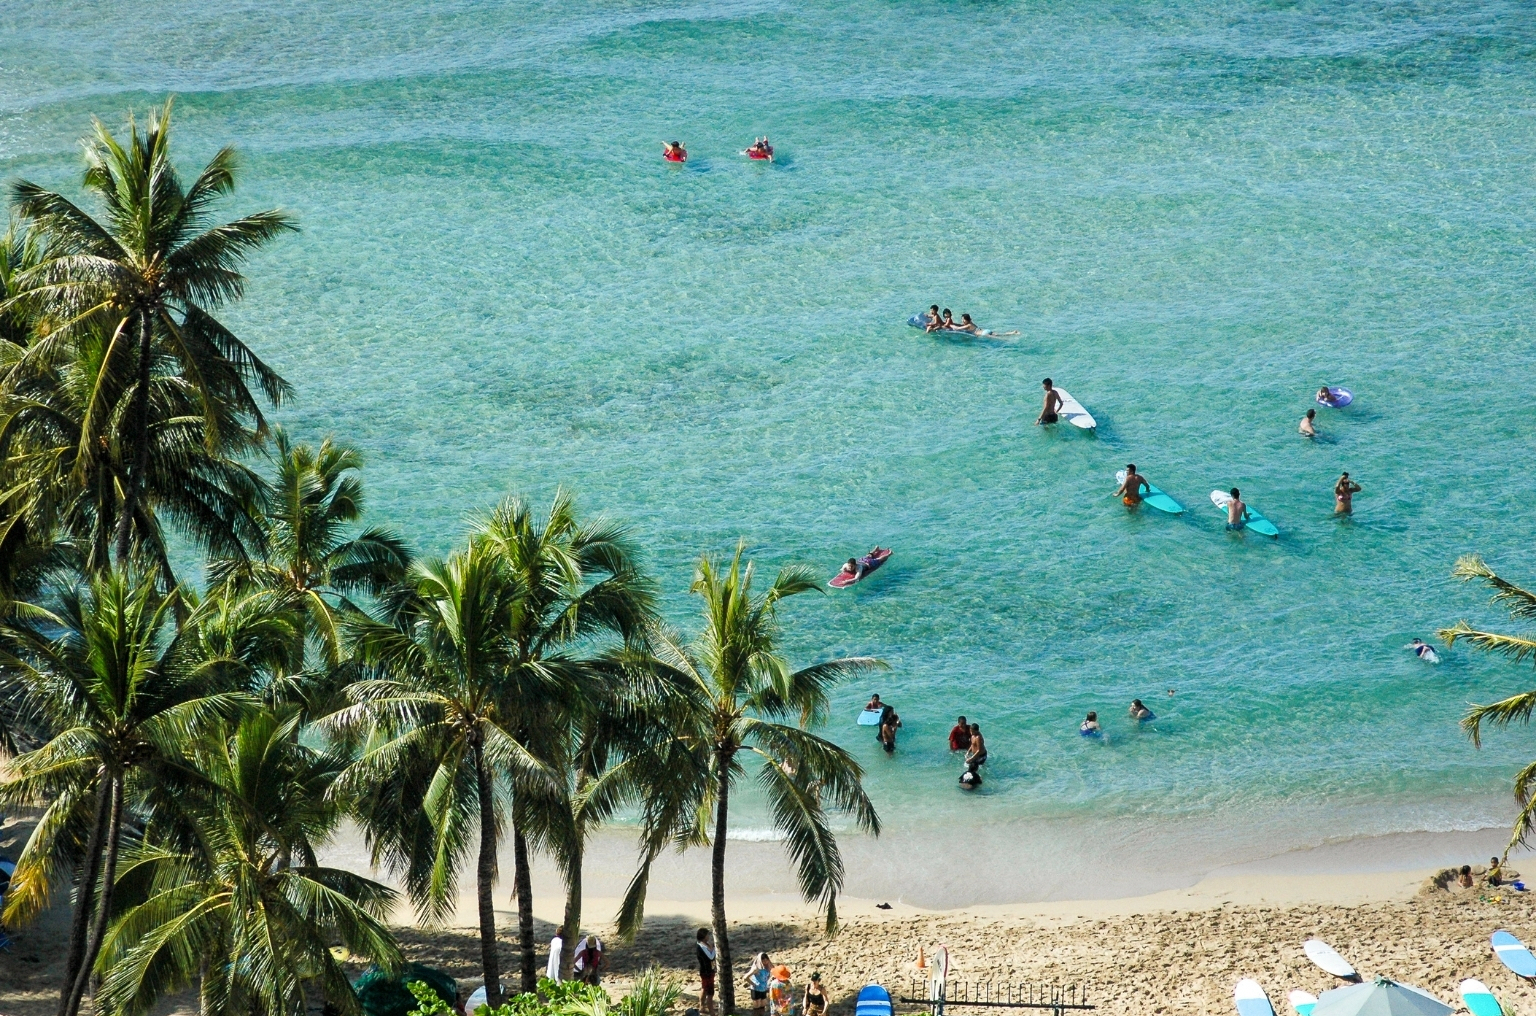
1381 997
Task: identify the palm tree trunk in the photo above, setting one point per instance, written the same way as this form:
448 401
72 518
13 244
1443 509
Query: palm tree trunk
90 867
104 907
485 876
572 924
524 881
723 974
141 441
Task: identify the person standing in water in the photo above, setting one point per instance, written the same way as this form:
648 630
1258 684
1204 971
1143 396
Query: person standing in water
1129 491
1049 413
1139 712
1306 428
889 721
976 754
960 735
1344 495
1090 726
1237 512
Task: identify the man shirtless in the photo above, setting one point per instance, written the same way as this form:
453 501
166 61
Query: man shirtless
1052 404
1344 495
1129 492
1237 512
1308 428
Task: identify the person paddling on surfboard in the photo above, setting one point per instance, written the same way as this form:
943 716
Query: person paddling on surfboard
1237 512
1129 492
852 567
1344 495
1048 414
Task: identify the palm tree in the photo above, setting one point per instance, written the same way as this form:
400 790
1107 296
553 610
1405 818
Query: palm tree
578 584
313 560
1522 607
439 729
248 909
147 278
740 690
104 668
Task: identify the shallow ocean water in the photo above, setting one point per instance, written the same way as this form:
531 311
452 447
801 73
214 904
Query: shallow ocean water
1196 214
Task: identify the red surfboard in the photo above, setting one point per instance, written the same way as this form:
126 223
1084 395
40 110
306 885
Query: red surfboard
867 564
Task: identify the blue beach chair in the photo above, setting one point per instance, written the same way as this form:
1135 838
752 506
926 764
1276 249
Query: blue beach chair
873 1001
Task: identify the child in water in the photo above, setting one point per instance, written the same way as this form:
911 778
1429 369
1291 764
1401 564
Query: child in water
1090 727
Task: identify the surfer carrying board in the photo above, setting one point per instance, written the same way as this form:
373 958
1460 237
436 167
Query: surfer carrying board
1048 414
1344 495
1237 512
1130 491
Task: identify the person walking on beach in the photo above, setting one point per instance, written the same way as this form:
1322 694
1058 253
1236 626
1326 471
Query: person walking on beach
1129 492
704 951
1049 413
757 981
960 735
1344 495
1307 429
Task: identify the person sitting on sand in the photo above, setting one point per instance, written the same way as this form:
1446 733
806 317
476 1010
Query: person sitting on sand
1306 428
1129 491
1139 712
874 703
1237 512
1465 878
1495 874
1344 495
976 754
960 736
1048 414
1090 725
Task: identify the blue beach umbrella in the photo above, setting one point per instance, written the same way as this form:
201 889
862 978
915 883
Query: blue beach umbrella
1380 997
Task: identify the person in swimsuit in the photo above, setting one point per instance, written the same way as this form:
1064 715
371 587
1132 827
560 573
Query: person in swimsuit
1139 712
1090 725
931 319
976 755
1344 495
851 568
888 724
946 322
873 703
757 981
1048 413
1324 395
674 150
967 325
1237 512
1306 428
1130 491
815 997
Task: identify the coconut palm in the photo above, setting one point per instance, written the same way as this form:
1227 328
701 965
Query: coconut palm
313 559
104 668
146 277
740 692
1522 607
439 731
578 584
248 910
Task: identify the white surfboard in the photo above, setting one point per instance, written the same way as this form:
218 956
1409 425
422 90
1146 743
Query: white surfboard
1323 955
1073 412
1479 1000
1303 1002
1251 1000
870 717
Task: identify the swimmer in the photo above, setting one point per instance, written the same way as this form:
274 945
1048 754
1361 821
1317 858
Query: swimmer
1141 713
1048 414
970 779
1237 512
674 150
970 327
1306 428
1090 726
944 322
1344 495
1324 395
1129 492
976 754
888 724
1424 651
874 703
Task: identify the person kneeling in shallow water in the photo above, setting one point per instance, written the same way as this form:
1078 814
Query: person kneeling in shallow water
971 778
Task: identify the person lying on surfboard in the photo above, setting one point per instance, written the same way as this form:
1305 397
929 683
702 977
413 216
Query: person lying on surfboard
852 568
1048 414
1129 492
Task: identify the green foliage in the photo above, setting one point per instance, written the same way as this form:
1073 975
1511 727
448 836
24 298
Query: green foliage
415 989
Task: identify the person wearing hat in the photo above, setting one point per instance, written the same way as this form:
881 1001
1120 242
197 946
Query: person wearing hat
815 997
778 989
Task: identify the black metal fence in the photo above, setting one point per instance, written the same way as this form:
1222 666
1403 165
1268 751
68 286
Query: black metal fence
956 994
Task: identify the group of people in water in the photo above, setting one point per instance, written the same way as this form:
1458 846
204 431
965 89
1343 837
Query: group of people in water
674 151
1139 712
944 321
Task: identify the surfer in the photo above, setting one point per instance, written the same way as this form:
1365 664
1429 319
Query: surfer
1344 495
1307 430
960 735
1130 491
852 567
1048 414
976 754
1140 713
1090 726
1237 512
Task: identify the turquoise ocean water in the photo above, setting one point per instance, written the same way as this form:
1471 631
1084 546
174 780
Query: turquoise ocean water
1195 213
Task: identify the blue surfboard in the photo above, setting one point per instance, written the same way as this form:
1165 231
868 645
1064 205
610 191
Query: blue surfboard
1156 498
873 1001
1513 954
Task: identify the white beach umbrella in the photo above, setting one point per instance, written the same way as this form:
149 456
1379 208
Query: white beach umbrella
1380 997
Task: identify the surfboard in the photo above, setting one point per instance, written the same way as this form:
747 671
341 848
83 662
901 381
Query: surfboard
1251 1000
1340 397
1156 498
1323 955
1479 1000
1073 412
1303 1002
1256 522
873 1001
870 562
870 717
1513 954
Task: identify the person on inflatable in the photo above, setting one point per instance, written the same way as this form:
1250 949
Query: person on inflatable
673 151
943 323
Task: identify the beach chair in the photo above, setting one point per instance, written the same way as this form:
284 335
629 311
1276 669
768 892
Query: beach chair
873 1001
